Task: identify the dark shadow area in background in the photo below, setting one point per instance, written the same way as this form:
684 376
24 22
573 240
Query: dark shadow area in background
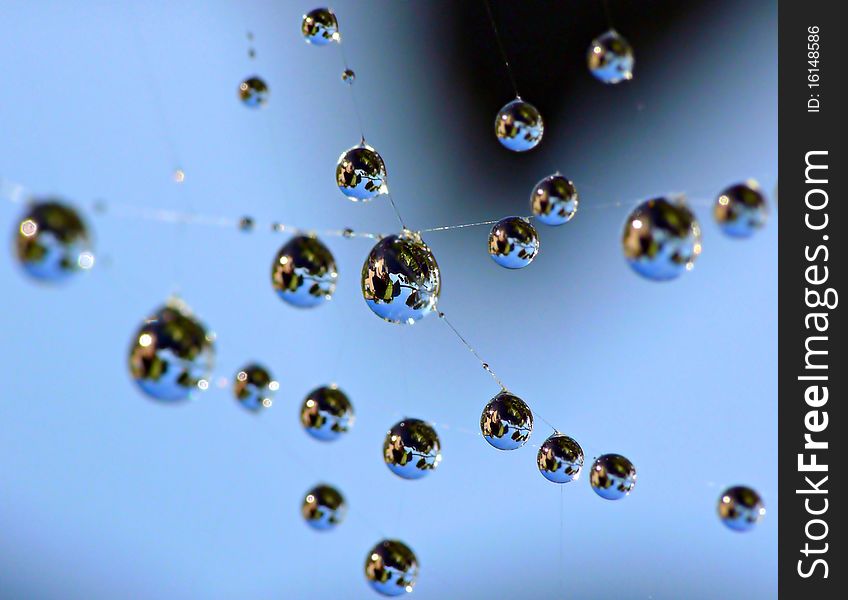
546 42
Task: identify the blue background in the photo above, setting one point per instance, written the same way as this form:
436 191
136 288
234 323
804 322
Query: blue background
105 494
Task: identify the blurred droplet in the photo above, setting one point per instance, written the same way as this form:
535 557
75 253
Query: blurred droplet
324 507
246 224
560 459
741 209
391 568
254 387
610 58
513 242
519 126
52 241
401 280
326 413
253 92
412 449
179 176
506 422
740 508
320 27
348 76
612 477
661 239
304 272
172 353
361 173
554 200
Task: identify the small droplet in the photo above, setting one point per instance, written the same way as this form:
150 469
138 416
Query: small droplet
171 353
320 27
554 200
610 58
52 242
179 176
661 239
513 242
324 507
326 413
361 173
304 272
348 76
612 476
254 92
347 232
254 387
391 568
560 459
506 421
740 210
740 508
519 126
412 449
246 224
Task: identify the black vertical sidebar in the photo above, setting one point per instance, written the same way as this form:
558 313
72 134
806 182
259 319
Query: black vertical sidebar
812 226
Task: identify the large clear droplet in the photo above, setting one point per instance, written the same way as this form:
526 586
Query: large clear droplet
740 210
361 173
401 279
610 58
320 27
661 239
171 354
412 449
391 568
513 242
52 242
740 508
560 459
506 422
554 200
304 272
326 413
519 126
324 507
613 476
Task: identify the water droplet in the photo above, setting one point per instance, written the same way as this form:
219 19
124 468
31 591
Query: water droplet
741 209
554 200
361 173
560 459
401 280
324 507
304 272
612 476
52 242
391 568
661 239
320 27
519 126
171 353
513 242
246 224
506 422
326 413
254 387
348 76
610 58
740 508
254 92
412 449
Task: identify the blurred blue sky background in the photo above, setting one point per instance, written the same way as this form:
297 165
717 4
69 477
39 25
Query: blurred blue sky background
105 494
